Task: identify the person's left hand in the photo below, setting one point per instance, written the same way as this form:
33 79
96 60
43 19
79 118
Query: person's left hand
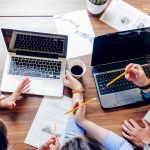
51 144
135 133
10 101
71 82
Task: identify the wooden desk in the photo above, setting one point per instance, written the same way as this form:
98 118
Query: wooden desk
19 119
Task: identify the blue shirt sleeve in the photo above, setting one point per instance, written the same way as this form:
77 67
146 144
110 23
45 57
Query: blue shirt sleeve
115 142
146 95
73 130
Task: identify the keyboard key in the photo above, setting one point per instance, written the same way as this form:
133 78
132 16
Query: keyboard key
34 68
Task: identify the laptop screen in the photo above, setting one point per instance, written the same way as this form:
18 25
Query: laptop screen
35 42
121 46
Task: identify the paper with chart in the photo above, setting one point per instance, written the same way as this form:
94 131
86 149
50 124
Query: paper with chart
123 16
79 30
50 114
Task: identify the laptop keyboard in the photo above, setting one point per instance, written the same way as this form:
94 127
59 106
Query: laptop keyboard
35 67
120 85
38 43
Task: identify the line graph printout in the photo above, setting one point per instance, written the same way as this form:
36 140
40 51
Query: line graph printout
79 30
50 114
122 16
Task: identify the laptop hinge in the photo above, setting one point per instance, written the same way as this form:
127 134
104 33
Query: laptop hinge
33 54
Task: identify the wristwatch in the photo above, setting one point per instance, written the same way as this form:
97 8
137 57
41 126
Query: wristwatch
146 147
145 87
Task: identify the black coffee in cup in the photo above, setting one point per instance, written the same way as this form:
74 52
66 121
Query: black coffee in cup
77 70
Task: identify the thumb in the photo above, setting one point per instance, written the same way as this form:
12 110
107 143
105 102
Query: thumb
69 74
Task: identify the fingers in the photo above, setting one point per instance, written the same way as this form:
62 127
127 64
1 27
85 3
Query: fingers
125 128
134 124
23 84
25 88
128 137
2 97
66 82
145 123
68 74
81 109
129 66
128 125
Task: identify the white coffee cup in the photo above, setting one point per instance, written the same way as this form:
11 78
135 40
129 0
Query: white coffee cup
77 68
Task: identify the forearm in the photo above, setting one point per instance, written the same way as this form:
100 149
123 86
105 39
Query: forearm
94 130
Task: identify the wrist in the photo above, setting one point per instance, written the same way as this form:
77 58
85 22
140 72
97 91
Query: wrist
78 90
145 85
83 123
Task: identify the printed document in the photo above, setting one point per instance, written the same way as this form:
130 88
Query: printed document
79 30
49 117
123 16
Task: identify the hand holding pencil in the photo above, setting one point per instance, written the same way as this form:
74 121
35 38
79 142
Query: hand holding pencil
133 73
74 109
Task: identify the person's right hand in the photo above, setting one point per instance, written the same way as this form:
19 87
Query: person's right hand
136 74
51 144
80 114
10 101
71 82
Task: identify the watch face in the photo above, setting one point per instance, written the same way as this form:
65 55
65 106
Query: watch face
146 147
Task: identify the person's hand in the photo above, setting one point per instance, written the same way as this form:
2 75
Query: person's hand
79 115
10 101
135 133
136 74
51 144
71 82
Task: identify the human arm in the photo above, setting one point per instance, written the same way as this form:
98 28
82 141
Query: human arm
73 84
10 101
108 139
72 129
51 144
135 133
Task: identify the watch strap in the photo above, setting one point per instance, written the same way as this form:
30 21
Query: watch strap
145 87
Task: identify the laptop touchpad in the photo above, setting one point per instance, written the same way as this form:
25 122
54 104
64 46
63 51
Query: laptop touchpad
126 97
36 85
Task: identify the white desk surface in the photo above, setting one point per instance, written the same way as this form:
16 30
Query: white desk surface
39 7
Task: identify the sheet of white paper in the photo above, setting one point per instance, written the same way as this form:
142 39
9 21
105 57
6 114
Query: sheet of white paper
147 116
51 112
123 16
79 30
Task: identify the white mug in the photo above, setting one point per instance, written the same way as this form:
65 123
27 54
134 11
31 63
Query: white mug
77 68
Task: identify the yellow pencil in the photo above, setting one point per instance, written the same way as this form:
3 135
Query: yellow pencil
118 77
72 110
54 129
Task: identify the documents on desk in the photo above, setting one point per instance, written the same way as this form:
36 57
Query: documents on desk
51 112
123 16
79 30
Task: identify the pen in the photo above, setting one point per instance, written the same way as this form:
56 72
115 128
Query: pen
85 103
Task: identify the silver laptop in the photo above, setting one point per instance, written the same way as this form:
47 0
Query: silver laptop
40 56
111 54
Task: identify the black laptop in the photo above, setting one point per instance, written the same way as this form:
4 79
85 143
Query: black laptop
111 53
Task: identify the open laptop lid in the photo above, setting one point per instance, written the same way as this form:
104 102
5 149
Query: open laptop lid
11 35
120 46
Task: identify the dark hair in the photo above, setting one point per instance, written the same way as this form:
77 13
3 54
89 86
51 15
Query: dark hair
81 144
3 136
